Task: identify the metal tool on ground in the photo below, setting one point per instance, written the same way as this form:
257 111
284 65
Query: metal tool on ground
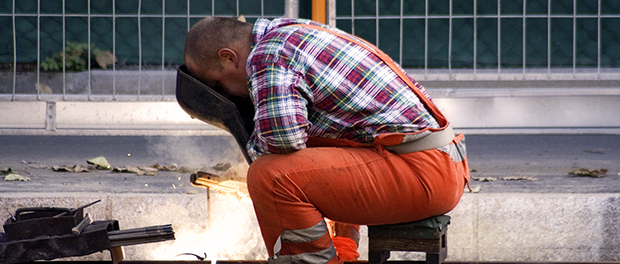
46 233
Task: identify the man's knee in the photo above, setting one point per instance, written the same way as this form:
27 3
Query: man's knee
262 172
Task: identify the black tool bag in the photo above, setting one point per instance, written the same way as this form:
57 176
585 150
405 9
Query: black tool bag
204 103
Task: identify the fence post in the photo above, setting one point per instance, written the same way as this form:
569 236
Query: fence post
318 11
291 8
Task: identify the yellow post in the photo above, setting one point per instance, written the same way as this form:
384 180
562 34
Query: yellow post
318 11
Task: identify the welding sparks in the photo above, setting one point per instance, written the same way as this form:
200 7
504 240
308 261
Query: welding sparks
230 233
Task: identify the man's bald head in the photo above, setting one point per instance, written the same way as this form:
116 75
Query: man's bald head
211 34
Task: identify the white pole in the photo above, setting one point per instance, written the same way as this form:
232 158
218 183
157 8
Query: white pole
291 8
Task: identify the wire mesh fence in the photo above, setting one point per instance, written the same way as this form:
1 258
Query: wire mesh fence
132 47
580 38
112 47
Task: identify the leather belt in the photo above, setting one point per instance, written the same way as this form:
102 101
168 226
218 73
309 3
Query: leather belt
433 140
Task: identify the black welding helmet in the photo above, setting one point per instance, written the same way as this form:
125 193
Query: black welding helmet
204 103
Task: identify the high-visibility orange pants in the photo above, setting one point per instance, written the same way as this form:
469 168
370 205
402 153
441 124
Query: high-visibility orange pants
292 193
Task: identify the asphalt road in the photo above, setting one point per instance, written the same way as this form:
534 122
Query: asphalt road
536 163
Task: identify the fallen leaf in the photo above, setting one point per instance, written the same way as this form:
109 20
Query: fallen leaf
589 172
518 178
71 168
484 179
146 170
171 167
106 58
15 177
140 170
476 189
42 88
100 162
40 166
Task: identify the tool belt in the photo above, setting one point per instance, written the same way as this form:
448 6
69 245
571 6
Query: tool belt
433 140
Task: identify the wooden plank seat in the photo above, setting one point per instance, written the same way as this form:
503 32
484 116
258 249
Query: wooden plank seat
426 235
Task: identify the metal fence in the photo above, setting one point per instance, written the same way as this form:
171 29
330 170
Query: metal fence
448 40
519 38
145 36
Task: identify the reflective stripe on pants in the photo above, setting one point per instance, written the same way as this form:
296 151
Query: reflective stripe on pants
307 235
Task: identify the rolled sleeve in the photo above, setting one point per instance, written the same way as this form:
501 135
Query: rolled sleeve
281 118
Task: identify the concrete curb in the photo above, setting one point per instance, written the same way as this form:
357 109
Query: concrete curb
484 227
471 111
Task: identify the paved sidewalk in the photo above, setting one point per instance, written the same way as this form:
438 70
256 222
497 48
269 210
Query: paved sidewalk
536 163
555 217
34 157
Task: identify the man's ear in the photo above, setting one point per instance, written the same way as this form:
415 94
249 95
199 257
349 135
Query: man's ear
228 56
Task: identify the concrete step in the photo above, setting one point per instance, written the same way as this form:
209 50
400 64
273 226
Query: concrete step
484 227
557 217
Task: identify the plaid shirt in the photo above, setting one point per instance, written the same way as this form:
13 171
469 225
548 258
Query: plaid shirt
305 82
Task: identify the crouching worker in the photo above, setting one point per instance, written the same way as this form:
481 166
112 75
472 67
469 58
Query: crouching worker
340 133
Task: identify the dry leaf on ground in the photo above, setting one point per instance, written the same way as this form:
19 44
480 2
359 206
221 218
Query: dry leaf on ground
484 179
518 178
589 172
71 168
476 189
9 175
42 88
15 177
100 162
171 167
106 58
140 170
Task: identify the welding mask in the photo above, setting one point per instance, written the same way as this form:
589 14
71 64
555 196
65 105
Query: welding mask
202 102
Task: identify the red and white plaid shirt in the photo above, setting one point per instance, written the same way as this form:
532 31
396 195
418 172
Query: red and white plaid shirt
304 82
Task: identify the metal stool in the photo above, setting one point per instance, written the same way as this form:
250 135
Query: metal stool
427 235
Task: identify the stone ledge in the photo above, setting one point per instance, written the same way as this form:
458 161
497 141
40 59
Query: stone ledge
485 227
545 114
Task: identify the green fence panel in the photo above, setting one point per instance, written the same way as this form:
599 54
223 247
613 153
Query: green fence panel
455 34
531 33
114 26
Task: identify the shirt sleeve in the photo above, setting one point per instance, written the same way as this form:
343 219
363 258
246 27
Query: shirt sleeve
280 96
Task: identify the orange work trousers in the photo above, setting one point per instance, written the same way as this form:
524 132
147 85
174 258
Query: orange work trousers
293 193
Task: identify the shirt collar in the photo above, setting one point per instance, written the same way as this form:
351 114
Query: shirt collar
263 26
